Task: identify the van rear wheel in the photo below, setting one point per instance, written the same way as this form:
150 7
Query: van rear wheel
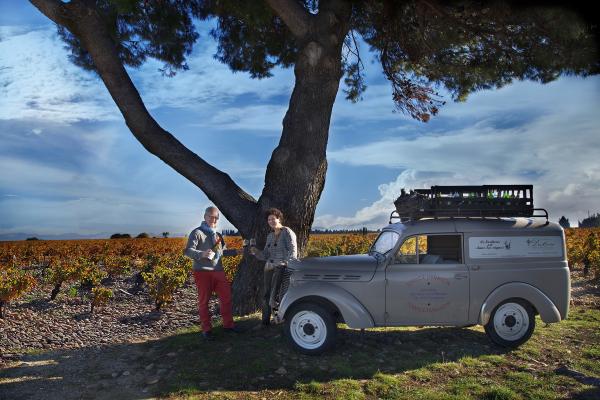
512 323
310 328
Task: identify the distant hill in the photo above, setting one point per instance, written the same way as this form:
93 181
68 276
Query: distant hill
68 236
63 236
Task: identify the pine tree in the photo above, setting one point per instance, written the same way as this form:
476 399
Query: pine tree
462 46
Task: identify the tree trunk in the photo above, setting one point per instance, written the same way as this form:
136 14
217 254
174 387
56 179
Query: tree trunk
55 291
295 174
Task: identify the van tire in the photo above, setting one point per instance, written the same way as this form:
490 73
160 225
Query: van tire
511 323
310 328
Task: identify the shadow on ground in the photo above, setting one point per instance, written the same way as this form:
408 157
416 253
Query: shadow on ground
589 394
250 361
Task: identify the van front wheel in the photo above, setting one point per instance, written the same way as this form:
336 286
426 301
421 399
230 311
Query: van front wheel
310 328
511 324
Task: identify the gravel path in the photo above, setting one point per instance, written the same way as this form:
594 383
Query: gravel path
34 323
58 350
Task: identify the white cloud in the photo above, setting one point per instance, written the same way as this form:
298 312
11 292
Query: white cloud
38 81
528 96
111 212
56 200
556 150
377 214
260 118
207 85
19 172
89 189
376 105
238 167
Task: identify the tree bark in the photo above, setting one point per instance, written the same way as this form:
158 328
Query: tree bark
293 14
295 174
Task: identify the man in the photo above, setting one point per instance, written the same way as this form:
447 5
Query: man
206 247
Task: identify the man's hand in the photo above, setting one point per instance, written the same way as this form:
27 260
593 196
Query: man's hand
253 250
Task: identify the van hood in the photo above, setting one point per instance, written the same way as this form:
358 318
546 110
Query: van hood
358 267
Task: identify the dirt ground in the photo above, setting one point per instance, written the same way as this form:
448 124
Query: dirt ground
149 368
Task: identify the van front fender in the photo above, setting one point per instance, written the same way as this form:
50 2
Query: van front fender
544 306
354 313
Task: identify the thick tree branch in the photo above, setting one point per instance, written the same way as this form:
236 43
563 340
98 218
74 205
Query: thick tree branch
53 9
87 25
296 18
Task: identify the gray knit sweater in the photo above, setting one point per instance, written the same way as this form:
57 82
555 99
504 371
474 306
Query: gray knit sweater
198 242
282 249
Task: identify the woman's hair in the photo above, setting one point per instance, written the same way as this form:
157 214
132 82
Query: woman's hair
276 212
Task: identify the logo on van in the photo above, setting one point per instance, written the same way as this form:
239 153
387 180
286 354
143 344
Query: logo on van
537 243
515 246
488 244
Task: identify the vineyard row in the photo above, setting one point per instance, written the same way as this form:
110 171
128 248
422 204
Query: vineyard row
160 265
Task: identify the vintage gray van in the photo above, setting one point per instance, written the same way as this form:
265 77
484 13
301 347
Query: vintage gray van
495 272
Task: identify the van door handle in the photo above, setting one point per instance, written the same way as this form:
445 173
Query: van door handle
475 267
461 276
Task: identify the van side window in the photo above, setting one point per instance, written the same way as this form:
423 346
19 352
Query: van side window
440 249
407 253
430 249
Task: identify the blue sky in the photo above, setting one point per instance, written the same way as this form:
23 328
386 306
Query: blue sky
70 165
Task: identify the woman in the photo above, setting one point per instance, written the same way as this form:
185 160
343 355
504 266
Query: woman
279 249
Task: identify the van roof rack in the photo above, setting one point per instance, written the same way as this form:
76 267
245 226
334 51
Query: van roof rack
466 201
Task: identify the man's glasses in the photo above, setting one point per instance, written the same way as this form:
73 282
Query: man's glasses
212 216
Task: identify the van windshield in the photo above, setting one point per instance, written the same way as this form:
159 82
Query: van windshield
385 242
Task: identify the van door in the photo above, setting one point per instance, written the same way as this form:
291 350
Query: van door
427 282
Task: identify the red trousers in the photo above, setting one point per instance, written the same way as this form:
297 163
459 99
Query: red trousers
208 282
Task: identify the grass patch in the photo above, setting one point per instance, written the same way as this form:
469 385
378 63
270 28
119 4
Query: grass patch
592 353
347 389
472 362
310 388
470 386
432 394
338 389
499 393
420 375
447 367
591 367
493 359
386 386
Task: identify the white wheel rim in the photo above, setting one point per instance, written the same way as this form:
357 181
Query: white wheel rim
308 330
511 321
